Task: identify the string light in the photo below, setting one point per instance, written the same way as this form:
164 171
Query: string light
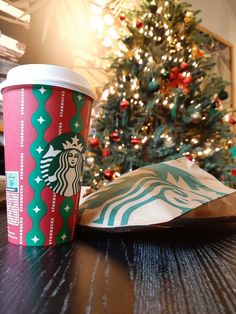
178 45
119 54
107 42
134 84
137 57
144 140
150 59
207 151
167 33
112 90
194 141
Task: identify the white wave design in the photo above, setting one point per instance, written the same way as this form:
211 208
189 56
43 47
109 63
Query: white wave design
110 186
124 199
44 166
115 197
44 171
146 197
47 160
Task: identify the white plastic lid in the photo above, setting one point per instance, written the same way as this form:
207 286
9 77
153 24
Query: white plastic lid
46 74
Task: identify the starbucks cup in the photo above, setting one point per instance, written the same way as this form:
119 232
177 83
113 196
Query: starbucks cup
46 111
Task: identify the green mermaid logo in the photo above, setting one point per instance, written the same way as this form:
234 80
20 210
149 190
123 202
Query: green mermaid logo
62 164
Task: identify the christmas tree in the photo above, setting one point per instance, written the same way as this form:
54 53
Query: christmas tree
163 99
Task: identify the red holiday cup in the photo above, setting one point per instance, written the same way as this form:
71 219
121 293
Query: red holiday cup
46 111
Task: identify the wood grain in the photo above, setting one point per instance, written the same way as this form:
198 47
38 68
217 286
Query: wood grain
166 271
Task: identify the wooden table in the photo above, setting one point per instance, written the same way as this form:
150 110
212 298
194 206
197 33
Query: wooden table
163 271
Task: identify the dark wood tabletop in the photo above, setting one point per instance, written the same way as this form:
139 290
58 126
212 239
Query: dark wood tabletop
164 271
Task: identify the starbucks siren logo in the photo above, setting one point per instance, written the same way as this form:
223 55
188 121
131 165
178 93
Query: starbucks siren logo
62 163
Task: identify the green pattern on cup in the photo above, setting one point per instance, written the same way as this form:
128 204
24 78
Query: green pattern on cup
37 208
76 121
66 209
76 127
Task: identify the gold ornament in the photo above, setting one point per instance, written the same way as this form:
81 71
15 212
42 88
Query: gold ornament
90 161
196 116
194 51
188 17
117 168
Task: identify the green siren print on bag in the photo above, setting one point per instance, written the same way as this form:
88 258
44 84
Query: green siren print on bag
62 164
151 195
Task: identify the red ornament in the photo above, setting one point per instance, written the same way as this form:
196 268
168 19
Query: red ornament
94 142
233 172
139 24
115 136
135 140
122 17
106 152
108 173
179 81
173 76
184 66
232 120
200 53
124 104
189 157
175 70
188 80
